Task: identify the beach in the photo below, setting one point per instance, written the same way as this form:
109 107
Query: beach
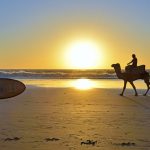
48 118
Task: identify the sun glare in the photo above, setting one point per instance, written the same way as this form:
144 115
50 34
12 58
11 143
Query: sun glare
84 54
83 84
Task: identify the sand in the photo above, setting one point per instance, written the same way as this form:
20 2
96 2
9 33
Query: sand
65 118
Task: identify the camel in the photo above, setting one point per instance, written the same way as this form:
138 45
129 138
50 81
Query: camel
131 77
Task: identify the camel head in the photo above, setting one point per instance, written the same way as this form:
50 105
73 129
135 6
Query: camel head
117 65
117 69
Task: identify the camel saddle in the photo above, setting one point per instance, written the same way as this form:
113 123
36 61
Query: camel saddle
136 70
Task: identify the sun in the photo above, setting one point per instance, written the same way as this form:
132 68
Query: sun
83 54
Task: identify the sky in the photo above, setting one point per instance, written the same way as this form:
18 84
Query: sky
34 34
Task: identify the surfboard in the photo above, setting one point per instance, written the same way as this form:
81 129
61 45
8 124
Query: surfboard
10 88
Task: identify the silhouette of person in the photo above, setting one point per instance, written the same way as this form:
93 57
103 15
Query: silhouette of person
133 63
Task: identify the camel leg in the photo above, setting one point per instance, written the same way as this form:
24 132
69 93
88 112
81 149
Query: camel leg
147 83
125 83
136 94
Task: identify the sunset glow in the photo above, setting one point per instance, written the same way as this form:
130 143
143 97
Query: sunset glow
80 34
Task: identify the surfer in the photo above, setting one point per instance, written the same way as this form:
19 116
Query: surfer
133 63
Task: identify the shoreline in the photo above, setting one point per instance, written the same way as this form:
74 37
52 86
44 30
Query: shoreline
83 83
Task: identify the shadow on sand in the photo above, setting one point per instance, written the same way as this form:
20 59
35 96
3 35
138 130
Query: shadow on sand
136 102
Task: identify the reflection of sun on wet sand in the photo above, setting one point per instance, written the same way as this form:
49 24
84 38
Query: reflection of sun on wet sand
67 118
83 84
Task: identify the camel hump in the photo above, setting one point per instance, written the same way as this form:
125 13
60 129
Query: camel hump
137 70
141 68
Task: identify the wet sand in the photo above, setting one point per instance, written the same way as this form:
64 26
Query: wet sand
71 119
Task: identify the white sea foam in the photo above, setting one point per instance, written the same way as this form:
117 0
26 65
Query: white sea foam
58 74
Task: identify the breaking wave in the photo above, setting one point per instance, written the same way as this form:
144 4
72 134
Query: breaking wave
58 74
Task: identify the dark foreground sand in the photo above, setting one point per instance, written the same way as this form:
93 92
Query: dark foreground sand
63 119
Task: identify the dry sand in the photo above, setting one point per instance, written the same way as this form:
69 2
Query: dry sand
63 118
